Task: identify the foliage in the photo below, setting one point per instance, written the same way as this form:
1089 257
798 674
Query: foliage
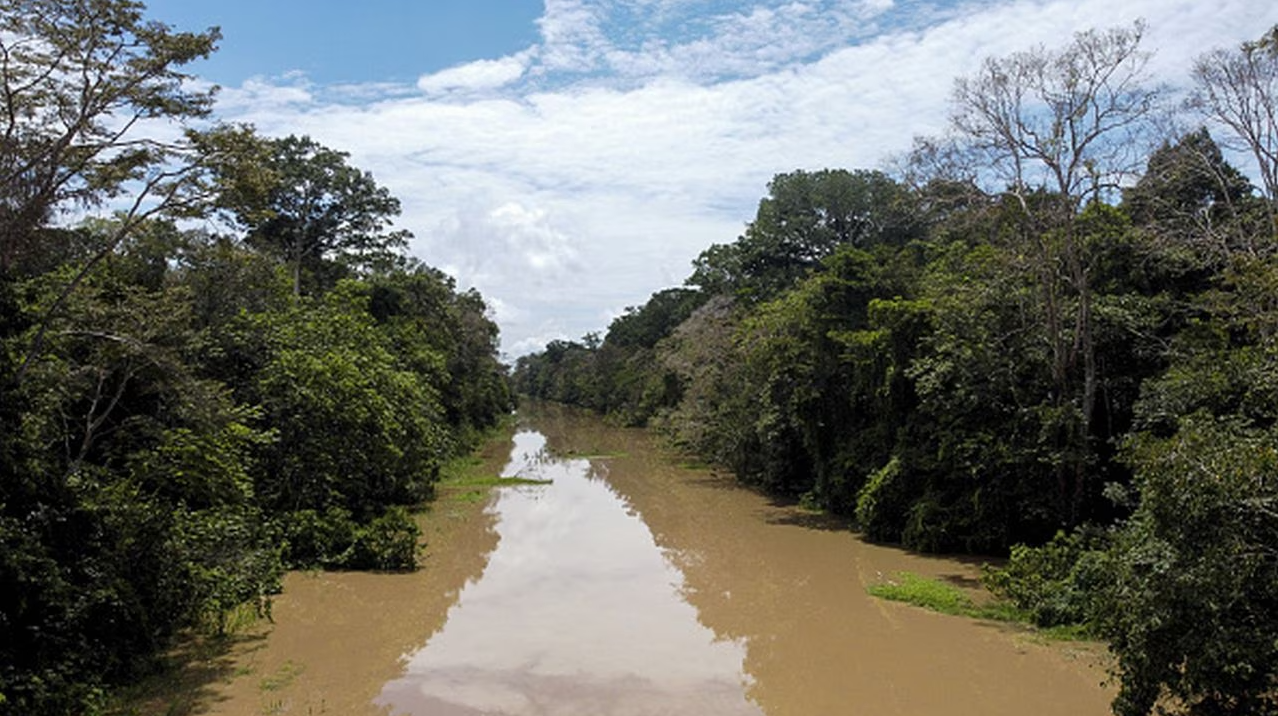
882 502
333 540
302 202
1054 584
938 596
356 430
805 217
1031 337
78 77
1189 607
176 423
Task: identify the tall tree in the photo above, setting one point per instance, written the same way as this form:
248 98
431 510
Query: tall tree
1239 89
804 218
1194 205
80 83
303 203
1058 129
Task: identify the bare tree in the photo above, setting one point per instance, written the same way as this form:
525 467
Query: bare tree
1239 90
1055 130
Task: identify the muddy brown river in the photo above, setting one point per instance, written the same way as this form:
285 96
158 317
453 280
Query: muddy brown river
632 585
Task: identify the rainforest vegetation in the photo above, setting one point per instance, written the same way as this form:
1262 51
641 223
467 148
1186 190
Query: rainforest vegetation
1050 333
215 360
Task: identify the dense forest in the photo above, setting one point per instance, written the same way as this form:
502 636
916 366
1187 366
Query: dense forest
216 361
1051 332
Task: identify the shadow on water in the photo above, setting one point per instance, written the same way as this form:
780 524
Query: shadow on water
188 676
337 636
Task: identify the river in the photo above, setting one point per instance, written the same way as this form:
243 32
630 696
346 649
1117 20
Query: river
634 585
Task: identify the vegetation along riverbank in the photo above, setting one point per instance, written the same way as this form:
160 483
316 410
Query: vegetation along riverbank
1031 338
1050 333
227 368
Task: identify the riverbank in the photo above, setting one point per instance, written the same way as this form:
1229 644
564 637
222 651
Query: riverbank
337 637
617 580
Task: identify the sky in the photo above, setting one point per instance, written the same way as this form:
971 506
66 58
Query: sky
568 158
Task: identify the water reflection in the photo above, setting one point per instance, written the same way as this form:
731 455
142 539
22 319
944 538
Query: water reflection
578 611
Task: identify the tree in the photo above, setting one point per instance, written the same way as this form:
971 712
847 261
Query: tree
1060 129
446 336
1189 603
1192 201
303 203
804 218
126 505
81 81
1239 90
645 325
357 430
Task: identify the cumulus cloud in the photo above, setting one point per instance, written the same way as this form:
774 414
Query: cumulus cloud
511 240
574 179
478 75
288 93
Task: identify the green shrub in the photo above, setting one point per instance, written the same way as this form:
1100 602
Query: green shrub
1052 584
334 540
388 543
880 504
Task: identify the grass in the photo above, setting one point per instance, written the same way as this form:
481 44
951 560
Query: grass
928 593
469 479
937 596
462 469
283 677
596 454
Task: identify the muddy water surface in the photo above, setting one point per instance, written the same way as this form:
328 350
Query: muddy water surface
633 586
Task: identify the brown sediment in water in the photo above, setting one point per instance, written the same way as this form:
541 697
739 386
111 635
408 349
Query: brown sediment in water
791 587
634 586
337 637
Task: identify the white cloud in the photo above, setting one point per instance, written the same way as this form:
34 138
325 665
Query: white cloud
478 75
288 93
576 178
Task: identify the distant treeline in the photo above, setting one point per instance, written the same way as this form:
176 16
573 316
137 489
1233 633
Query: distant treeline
226 369
1032 331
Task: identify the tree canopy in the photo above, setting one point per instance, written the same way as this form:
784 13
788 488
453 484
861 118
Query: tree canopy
184 414
1052 337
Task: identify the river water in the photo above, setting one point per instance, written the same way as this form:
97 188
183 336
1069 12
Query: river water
633 586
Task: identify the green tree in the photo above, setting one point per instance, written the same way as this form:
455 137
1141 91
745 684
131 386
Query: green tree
1196 208
804 218
1060 129
304 204
446 336
356 429
1190 606
126 506
712 418
79 83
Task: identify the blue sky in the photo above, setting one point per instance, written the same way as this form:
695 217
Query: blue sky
343 42
570 157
